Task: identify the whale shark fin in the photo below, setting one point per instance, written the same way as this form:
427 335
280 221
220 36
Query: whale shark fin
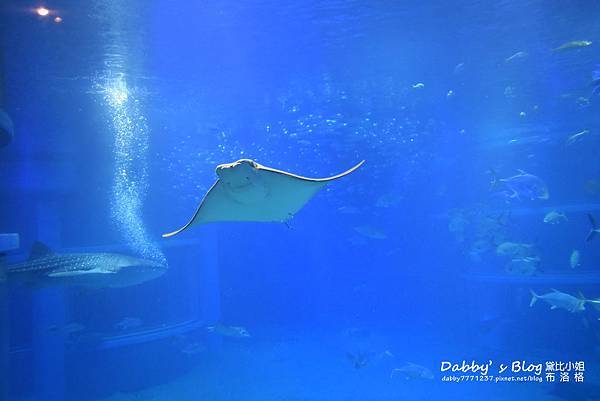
39 250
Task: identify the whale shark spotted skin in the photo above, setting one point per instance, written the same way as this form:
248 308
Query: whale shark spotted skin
96 270
248 191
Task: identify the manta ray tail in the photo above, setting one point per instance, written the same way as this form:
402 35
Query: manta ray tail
172 233
594 230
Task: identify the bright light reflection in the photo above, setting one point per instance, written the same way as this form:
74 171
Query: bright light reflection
42 11
116 92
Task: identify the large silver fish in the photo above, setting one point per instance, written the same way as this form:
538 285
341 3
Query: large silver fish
560 300
522 186
97 270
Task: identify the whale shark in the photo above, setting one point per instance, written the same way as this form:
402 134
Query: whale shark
95 270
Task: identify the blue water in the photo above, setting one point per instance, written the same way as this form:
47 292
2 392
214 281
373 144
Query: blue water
123 110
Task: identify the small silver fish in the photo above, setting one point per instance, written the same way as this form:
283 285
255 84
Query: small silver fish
554 217
67 329
515 249
193 349
387 201
348 210
412 371
359 360
574 259
459 68
575 44
525 266
370 232
577 137
229 331
129 323
516 56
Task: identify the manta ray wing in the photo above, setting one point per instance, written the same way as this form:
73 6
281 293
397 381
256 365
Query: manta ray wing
299 177
284 195
210 205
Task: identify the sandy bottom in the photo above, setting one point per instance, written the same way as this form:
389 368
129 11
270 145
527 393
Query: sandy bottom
292 367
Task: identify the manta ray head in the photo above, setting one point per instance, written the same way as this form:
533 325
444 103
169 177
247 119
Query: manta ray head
242 180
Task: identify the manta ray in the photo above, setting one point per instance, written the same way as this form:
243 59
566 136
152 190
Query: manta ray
248 191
